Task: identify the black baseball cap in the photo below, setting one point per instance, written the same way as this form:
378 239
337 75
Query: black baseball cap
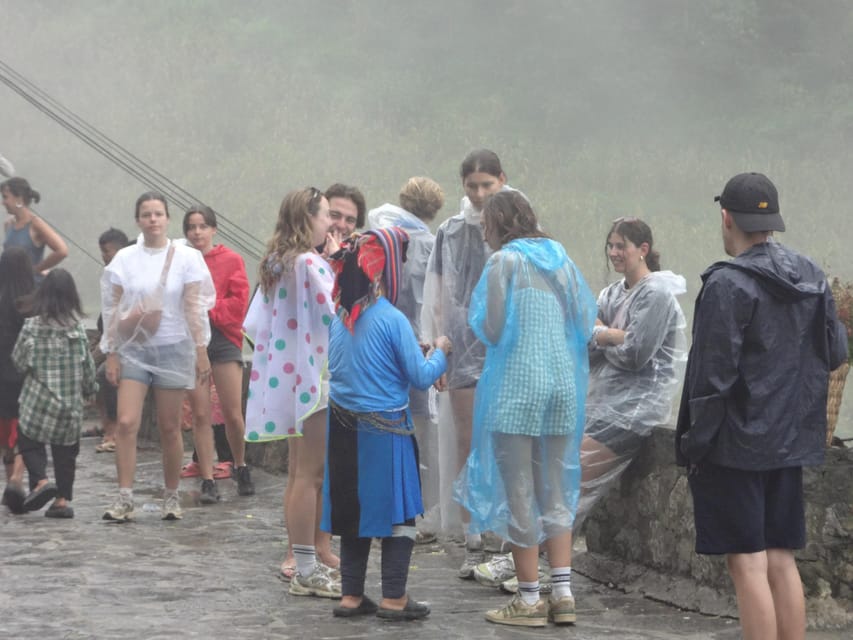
753 202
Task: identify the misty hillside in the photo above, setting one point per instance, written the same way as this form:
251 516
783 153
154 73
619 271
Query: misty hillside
598 109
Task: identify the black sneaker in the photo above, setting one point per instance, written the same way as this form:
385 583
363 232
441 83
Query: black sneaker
245 486
209 493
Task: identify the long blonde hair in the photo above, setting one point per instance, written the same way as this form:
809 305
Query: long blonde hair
293 235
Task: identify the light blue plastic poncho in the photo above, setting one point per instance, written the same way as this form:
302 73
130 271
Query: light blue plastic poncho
535 313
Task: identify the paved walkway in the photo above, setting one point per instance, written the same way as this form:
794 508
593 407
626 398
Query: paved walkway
214 575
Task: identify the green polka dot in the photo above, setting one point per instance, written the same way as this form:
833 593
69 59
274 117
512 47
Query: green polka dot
327 320
253 435
273 382
311 360
321 270
279 344
249 393
305 304
305 398
266 299
282 293
269 427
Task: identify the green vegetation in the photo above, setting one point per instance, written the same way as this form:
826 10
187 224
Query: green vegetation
598 109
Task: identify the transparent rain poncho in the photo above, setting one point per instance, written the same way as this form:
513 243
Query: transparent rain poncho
534 312
455 266
632 385
155 318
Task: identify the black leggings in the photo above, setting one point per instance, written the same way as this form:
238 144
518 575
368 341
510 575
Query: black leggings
396 556
64 463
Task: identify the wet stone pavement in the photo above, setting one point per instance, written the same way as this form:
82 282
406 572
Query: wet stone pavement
215 575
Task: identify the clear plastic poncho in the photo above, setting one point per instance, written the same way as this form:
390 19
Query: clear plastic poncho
632 385
535 313
155 317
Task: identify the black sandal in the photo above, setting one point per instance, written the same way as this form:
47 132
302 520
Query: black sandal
366 607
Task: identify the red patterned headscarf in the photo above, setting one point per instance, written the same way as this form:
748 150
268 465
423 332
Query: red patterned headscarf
363 262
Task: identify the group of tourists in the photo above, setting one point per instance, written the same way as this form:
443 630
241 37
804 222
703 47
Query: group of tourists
362 341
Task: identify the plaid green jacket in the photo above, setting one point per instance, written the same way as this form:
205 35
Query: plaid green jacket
58 374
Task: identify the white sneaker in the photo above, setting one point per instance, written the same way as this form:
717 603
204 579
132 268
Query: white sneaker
320 583
473 557
495 571
172 508
121 510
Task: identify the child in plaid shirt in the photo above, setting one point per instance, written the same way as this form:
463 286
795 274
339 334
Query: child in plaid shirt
53 355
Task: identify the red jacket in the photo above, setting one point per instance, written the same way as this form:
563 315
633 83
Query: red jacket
232 292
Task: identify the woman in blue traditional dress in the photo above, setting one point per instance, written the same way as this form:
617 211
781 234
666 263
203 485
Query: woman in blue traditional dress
372 488
535 314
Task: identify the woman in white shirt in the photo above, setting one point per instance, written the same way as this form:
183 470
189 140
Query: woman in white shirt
155 296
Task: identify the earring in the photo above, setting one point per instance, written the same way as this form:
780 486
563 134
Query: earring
642 259
19 204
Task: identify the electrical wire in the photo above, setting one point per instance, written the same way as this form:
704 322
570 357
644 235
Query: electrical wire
233 233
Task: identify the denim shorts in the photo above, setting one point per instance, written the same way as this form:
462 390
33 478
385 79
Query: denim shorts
168 366
221 349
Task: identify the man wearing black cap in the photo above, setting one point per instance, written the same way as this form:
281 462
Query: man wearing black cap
753 410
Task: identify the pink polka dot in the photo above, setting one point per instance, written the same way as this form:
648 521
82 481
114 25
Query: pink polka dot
319 349
298 379
291 431
307 284
269 357
289 368
293 389
308 338
259 347
275 312
309 262
292 324
321 299
313 389
255 375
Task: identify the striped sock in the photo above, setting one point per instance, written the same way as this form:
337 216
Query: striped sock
306 558
529 592
561 579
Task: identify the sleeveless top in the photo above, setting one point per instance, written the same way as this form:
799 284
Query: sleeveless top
21 238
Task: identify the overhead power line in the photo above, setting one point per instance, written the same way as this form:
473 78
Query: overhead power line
233 233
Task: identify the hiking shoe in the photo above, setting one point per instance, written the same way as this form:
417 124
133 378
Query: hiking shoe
495 571
245 486
511 585
171 509
562 610
320 583
519 614
120 511
473 557
209 493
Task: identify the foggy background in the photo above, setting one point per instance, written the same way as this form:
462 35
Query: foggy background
597 109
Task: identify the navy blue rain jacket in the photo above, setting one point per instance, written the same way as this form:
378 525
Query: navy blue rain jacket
765 337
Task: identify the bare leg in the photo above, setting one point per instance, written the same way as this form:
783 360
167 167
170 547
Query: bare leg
131 396
526 562
323 539
788 599
596 459
202 429
228 377
293 445
169 403
308 481
15 470
754 597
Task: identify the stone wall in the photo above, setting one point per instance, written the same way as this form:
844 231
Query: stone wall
641 536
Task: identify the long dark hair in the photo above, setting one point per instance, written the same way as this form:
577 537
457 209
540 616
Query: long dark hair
481 161
637 232
55 299
511 216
